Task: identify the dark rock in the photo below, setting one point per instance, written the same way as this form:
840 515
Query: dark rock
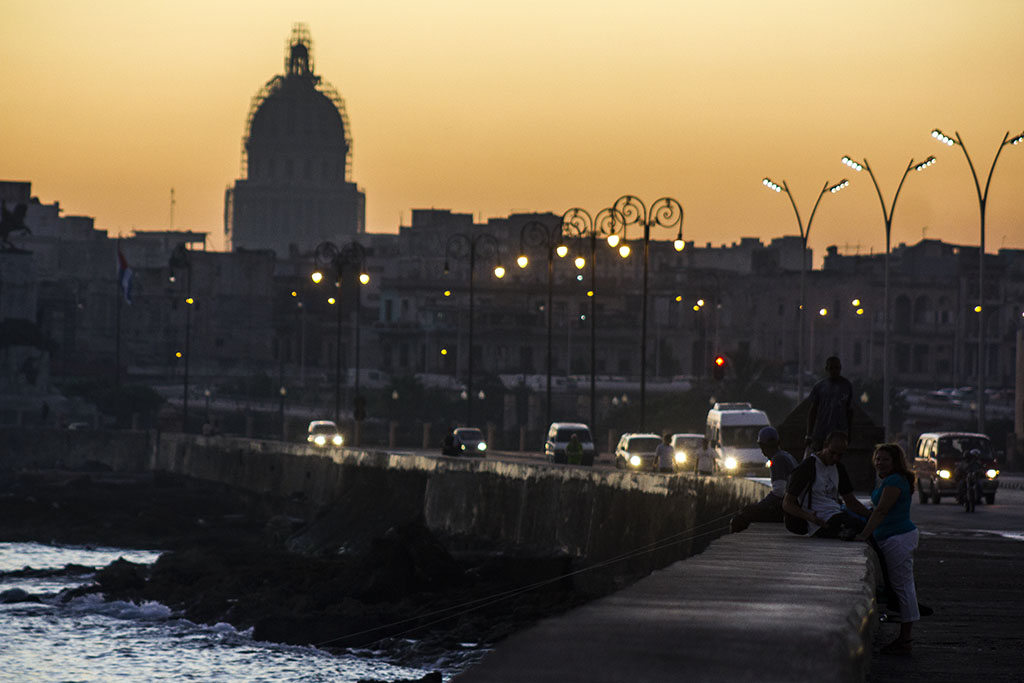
122 576
12 595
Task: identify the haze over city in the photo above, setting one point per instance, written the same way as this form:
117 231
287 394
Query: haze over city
493 108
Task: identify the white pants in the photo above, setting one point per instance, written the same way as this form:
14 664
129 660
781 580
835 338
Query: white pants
899 560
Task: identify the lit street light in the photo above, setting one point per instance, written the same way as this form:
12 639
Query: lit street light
352 255
535 234
458 247
606 225
665 212
180 258
804 236
887 216
982 203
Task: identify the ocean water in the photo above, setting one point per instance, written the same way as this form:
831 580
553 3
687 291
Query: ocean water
90 639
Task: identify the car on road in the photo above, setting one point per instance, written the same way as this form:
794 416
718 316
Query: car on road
685 447
636 452
559 434
732 430
935 459
324 433
465 441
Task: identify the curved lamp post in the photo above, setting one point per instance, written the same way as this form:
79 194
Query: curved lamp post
804 236
606 225
181 259
458 247
887 216
340 259
665 212
982 203
535 235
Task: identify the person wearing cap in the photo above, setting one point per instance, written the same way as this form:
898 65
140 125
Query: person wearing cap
781 463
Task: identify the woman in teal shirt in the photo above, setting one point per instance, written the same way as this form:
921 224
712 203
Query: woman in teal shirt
896 535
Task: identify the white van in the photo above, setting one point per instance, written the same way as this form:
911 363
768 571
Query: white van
732 433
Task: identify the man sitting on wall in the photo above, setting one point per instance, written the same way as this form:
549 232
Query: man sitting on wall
817 489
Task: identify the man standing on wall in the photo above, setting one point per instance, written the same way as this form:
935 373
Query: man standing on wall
831 407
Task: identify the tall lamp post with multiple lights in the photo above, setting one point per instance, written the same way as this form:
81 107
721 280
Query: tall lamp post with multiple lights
341 259
533 235
665 212
887 216
181 259
804 236
459 247
606 225
982 202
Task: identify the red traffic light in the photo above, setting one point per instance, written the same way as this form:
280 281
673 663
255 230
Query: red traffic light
719 361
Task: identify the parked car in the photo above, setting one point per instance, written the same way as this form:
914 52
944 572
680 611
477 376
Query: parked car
465 441
636 452
686 446
559 434
324 433
935 459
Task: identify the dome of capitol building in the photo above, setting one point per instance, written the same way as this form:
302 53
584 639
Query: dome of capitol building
295 189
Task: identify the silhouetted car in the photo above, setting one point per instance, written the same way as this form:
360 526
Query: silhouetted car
935 458
686 447
636 452
324 433
559 434
465 441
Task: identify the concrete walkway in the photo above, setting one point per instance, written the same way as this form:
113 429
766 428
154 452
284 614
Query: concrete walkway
759 606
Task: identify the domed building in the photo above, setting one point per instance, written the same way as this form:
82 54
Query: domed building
296 189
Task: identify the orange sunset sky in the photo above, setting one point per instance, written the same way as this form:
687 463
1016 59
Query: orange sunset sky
535 105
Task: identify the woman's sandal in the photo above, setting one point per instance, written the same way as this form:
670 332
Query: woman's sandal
898 647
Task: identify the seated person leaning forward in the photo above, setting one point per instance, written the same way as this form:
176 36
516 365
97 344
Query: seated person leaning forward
817 489
768 509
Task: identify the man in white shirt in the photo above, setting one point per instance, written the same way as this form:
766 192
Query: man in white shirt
817 489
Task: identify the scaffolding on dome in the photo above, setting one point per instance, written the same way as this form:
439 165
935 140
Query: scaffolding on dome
300 38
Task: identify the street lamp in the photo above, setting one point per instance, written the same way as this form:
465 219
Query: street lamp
667 213
607 225
804 236
458 247
887 216
180 258
351 255
982 203
535 234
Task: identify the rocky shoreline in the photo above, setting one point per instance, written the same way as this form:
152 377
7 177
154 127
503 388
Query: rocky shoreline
337 582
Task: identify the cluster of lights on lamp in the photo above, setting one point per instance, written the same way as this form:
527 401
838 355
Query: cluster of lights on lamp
925 164
853 164
767 182
838 186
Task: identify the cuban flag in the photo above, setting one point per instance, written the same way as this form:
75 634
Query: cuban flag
124 276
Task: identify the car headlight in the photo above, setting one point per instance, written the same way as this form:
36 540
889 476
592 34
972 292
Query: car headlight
482 446
944 474
992 474
320 440
635 460
337 440
462 446
730 463
680 457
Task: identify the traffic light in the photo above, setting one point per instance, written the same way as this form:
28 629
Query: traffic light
718 368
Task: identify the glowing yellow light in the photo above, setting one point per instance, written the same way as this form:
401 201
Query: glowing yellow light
977 309
522 261
700 302
855 302
294 293
447 292
499 272
444 352
696 307
580 262
561 250
331 301
177 354
679 245
679 298
317 276
860 311
364 278
190 301
590 292
613 241
822 311
624 251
